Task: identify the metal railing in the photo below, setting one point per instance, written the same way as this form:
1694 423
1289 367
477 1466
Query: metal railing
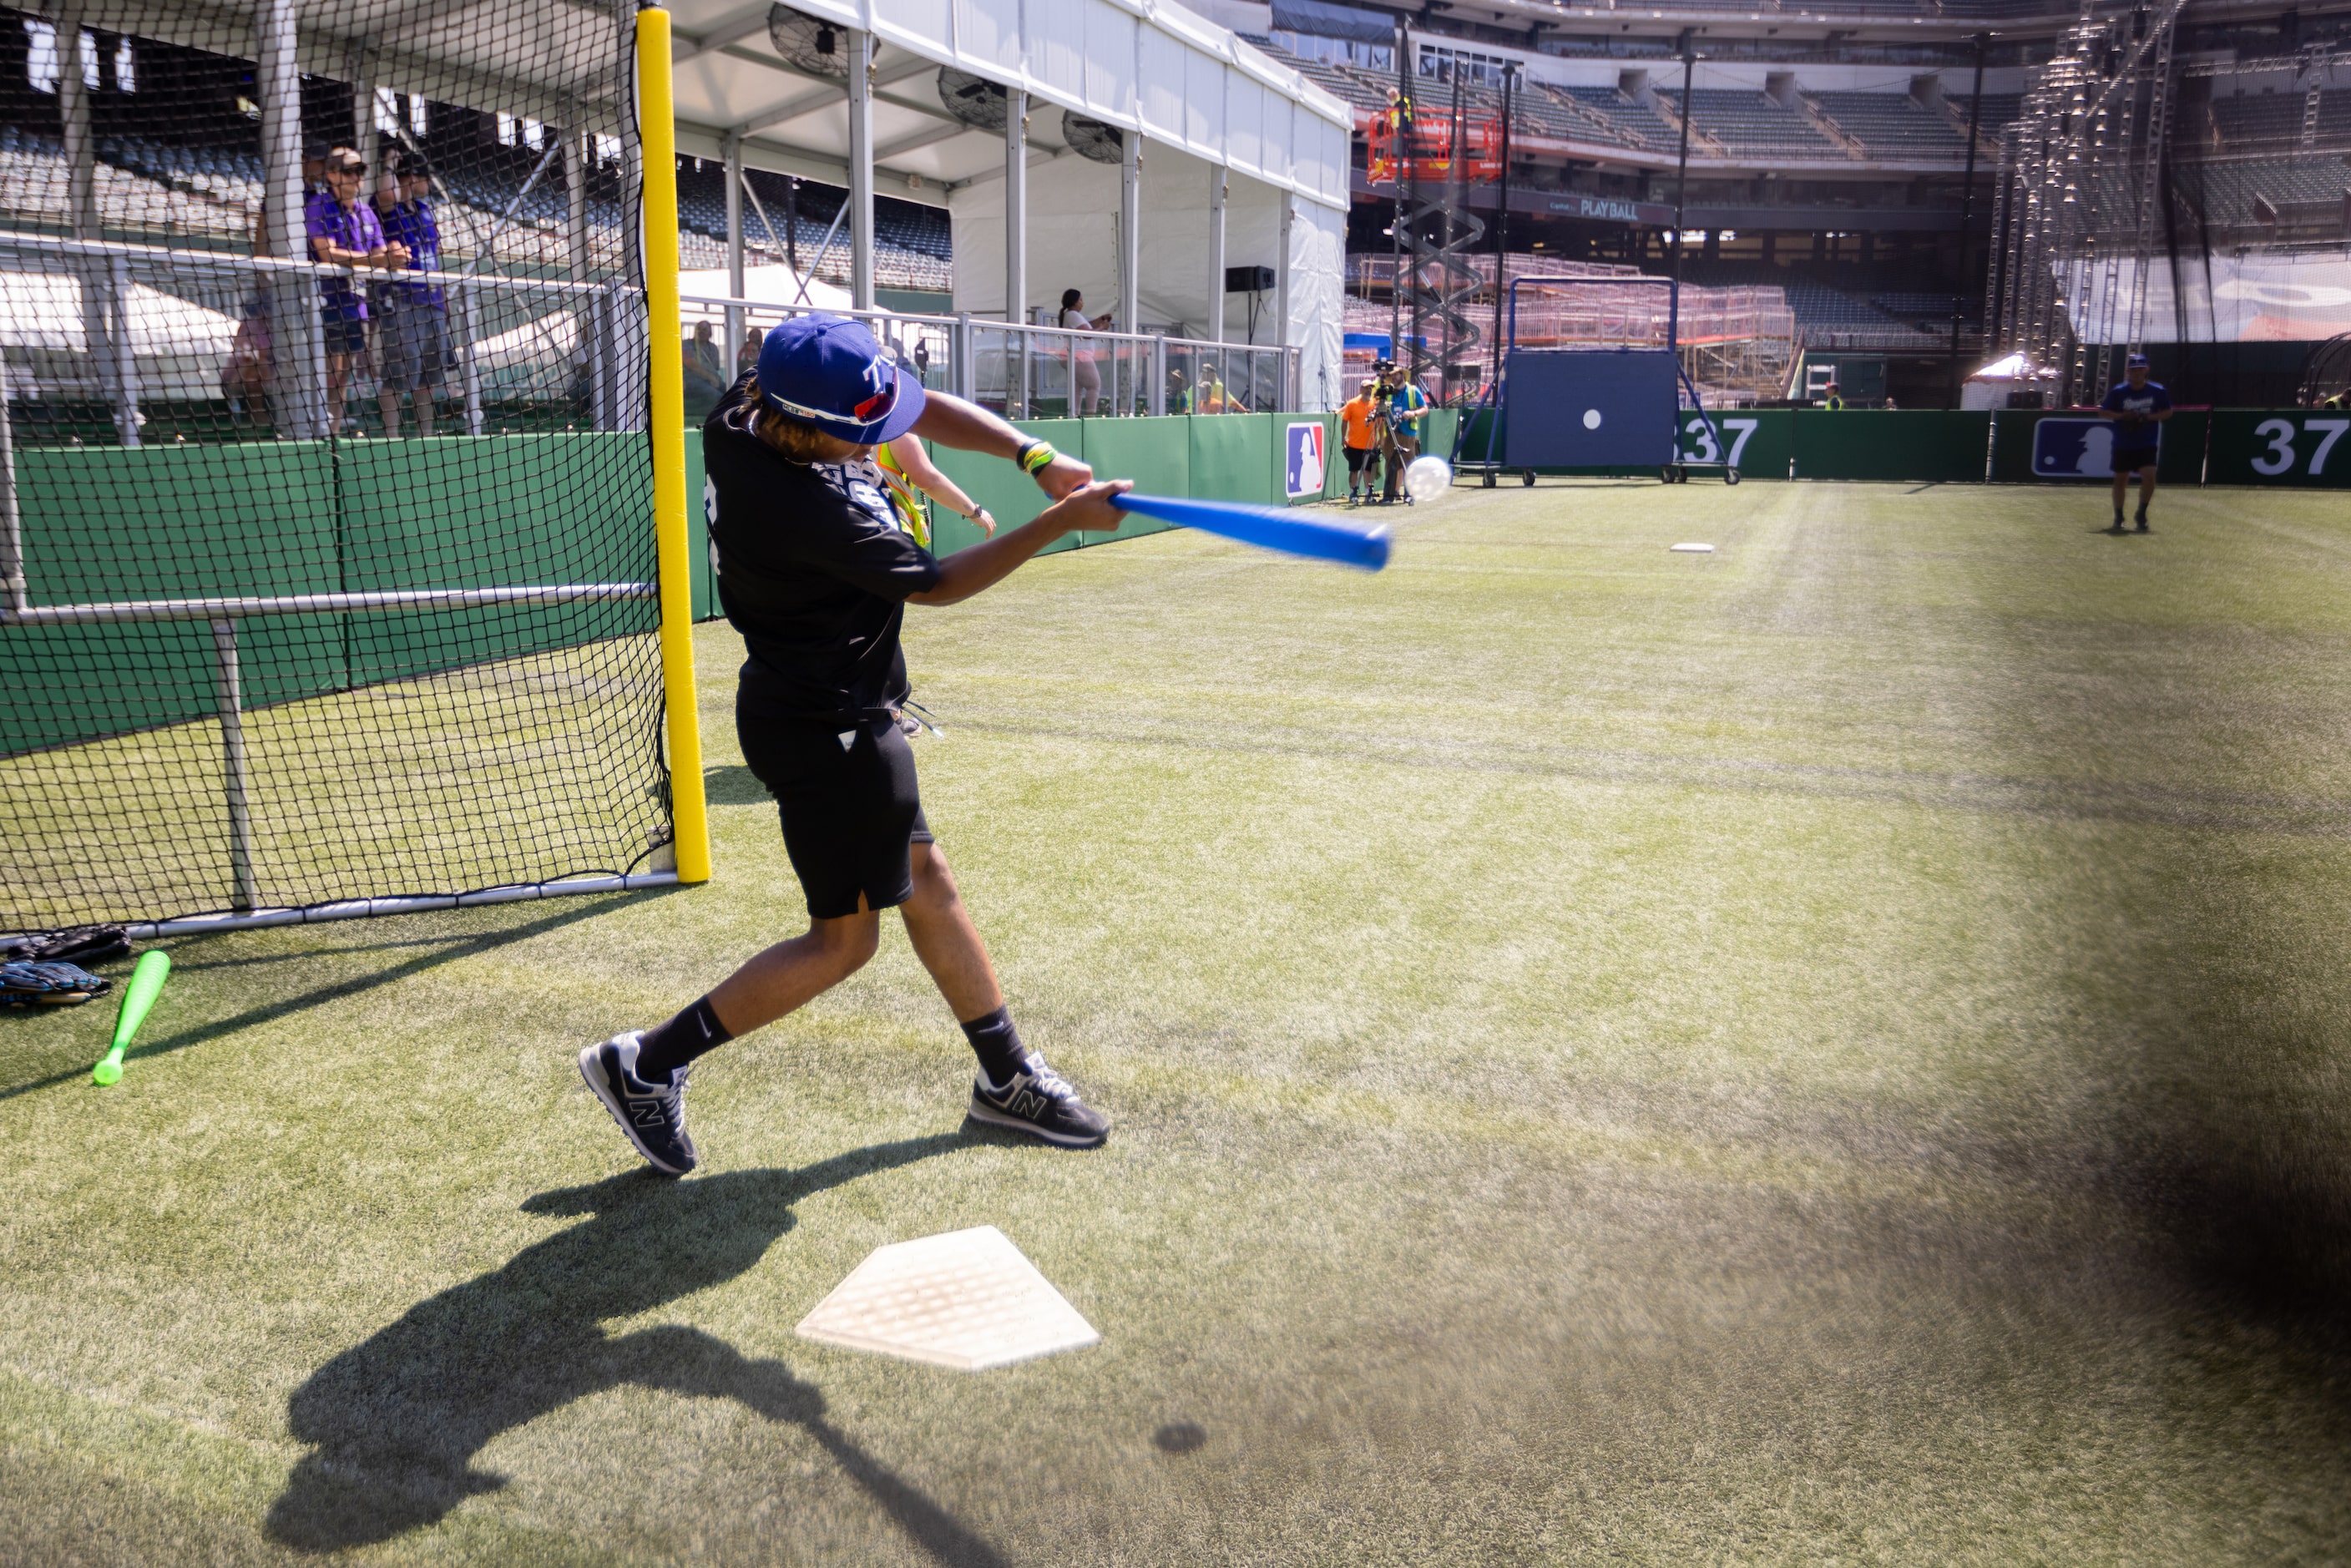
574 341
1048 372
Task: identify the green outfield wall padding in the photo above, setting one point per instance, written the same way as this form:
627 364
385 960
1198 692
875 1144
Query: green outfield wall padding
1917 445
1758 441
1010 497
2298 447
697 531
277 517
1232 457
1156 454
396 498
245 519
2183 447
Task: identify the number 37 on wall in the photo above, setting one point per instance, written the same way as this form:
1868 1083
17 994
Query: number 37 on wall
2279 456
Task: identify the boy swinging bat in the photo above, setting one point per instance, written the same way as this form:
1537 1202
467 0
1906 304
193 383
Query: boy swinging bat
815 568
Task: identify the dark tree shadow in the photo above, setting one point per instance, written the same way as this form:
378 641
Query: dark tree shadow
395 1423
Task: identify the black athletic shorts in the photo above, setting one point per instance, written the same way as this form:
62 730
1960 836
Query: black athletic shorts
851 810
2131 459
1357 457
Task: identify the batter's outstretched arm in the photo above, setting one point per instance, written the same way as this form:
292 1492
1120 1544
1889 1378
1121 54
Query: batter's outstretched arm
982 566
951 422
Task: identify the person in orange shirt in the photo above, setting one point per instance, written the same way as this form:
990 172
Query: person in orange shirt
1358 436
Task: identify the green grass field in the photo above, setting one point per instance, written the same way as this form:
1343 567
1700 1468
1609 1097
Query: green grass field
1833 1051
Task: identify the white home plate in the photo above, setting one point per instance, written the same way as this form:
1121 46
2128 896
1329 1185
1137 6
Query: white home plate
1695 549
968 1300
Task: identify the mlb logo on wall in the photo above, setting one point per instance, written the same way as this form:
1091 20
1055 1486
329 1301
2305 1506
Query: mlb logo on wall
2074 448
1303 475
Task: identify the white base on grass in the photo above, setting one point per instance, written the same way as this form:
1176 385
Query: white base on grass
968 1300
1695 549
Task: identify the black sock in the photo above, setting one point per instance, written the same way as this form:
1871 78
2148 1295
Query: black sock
998 1045
673 1044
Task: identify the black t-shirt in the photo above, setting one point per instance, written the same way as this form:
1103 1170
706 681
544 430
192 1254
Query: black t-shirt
814 570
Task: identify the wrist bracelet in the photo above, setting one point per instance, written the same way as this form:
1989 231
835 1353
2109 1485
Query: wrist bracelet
1036 456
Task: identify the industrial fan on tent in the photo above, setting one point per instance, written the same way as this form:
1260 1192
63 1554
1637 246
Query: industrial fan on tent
975 101
1092 139
808 42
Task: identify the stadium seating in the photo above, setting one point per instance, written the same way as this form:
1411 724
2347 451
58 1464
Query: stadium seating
2259 118
913 246
1894 125
1746 124
1645 126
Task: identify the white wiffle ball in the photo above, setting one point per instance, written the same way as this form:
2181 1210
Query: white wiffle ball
1426 477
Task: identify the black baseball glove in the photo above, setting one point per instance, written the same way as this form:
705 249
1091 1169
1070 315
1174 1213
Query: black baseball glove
25 985
83 944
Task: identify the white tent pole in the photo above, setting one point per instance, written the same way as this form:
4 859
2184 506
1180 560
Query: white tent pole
1130 258
298 389
733 146
1282 268
861 169
1015 248
588 316
364 137
1217 188
102 286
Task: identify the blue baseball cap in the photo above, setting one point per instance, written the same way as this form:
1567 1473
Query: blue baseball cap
2135 362
827 371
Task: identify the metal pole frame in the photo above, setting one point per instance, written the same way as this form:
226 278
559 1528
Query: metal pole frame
12 522
245 894
1016 249
1681 189
733 149
1400 144
1967 207
657 143
860 168
1130 256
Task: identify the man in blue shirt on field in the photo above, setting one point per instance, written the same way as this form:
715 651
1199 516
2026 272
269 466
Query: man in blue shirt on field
1406 403
411 339
2139 408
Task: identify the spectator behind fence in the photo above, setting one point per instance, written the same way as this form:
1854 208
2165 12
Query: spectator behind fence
1081 360
344 232
746 357
706 378
411 338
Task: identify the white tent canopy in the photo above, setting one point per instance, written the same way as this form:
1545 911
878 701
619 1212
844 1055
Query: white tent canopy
765 284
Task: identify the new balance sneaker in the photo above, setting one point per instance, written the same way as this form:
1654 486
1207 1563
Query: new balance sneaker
2142 522
653 1116
1041 1102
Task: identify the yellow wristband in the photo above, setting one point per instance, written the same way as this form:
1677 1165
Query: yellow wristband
1036 456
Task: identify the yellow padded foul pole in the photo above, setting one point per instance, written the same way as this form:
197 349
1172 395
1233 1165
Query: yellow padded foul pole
657 139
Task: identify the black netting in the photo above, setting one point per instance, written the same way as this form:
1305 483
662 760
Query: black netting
266 642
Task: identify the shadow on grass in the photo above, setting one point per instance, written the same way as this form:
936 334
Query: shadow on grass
732 784
445 950
394 1423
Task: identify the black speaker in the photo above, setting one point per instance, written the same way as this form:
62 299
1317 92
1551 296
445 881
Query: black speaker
1249 280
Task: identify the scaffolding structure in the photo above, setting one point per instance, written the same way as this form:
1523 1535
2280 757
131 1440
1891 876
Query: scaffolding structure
1432 157
2078 219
